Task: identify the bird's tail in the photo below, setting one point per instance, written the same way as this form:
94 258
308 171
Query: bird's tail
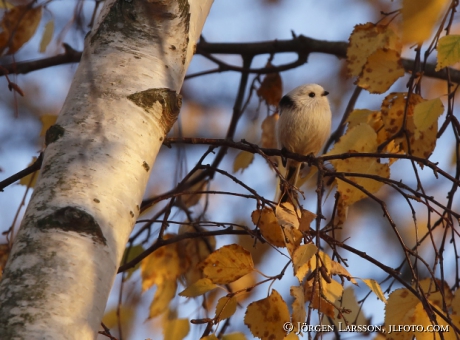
292 173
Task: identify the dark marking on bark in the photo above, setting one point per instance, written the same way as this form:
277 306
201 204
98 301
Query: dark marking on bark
53 134
145 166
73 219
170 101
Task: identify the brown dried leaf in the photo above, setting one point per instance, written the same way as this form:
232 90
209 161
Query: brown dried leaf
19 25
271 89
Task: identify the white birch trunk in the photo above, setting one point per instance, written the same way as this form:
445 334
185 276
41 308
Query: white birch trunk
121 104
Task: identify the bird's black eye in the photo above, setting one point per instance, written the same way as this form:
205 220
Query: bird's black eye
311 94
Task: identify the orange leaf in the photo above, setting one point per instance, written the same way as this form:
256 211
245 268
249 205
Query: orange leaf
19 25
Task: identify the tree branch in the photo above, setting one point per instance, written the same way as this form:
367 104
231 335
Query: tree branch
301 45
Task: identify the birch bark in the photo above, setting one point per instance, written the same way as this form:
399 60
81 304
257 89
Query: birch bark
122 102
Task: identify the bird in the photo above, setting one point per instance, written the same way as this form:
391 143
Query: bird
304 125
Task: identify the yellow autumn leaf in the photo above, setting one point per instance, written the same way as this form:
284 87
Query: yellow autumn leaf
163 295
404 309
427 113
354 313
198 288
299 313
305 220
242 161
265 318
367 166
375 288
271 88
268 225
419 18
210 337
123 316
365 40
332 291
456 303
382 69
163 265
47 121
18 26
431 290
31 179
316 300
226 307
292 239
192 251
358 116
321 260
393 106
5 5
340 270
176 329
341 212
234 336
227 264
360 138
287 215
291 336
130 254
400 307
448 51
421 142
47 36
301 260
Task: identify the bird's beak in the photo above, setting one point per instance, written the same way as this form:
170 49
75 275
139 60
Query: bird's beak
325 93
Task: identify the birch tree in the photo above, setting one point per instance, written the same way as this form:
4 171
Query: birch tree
122 103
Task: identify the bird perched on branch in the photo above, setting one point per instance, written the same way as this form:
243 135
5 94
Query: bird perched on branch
303 127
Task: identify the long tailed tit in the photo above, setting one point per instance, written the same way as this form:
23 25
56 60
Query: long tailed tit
303 127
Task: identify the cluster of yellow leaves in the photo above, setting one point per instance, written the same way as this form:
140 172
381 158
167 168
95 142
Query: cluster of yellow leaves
405 309
410 123
165 266
374 56
374 51
19 24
